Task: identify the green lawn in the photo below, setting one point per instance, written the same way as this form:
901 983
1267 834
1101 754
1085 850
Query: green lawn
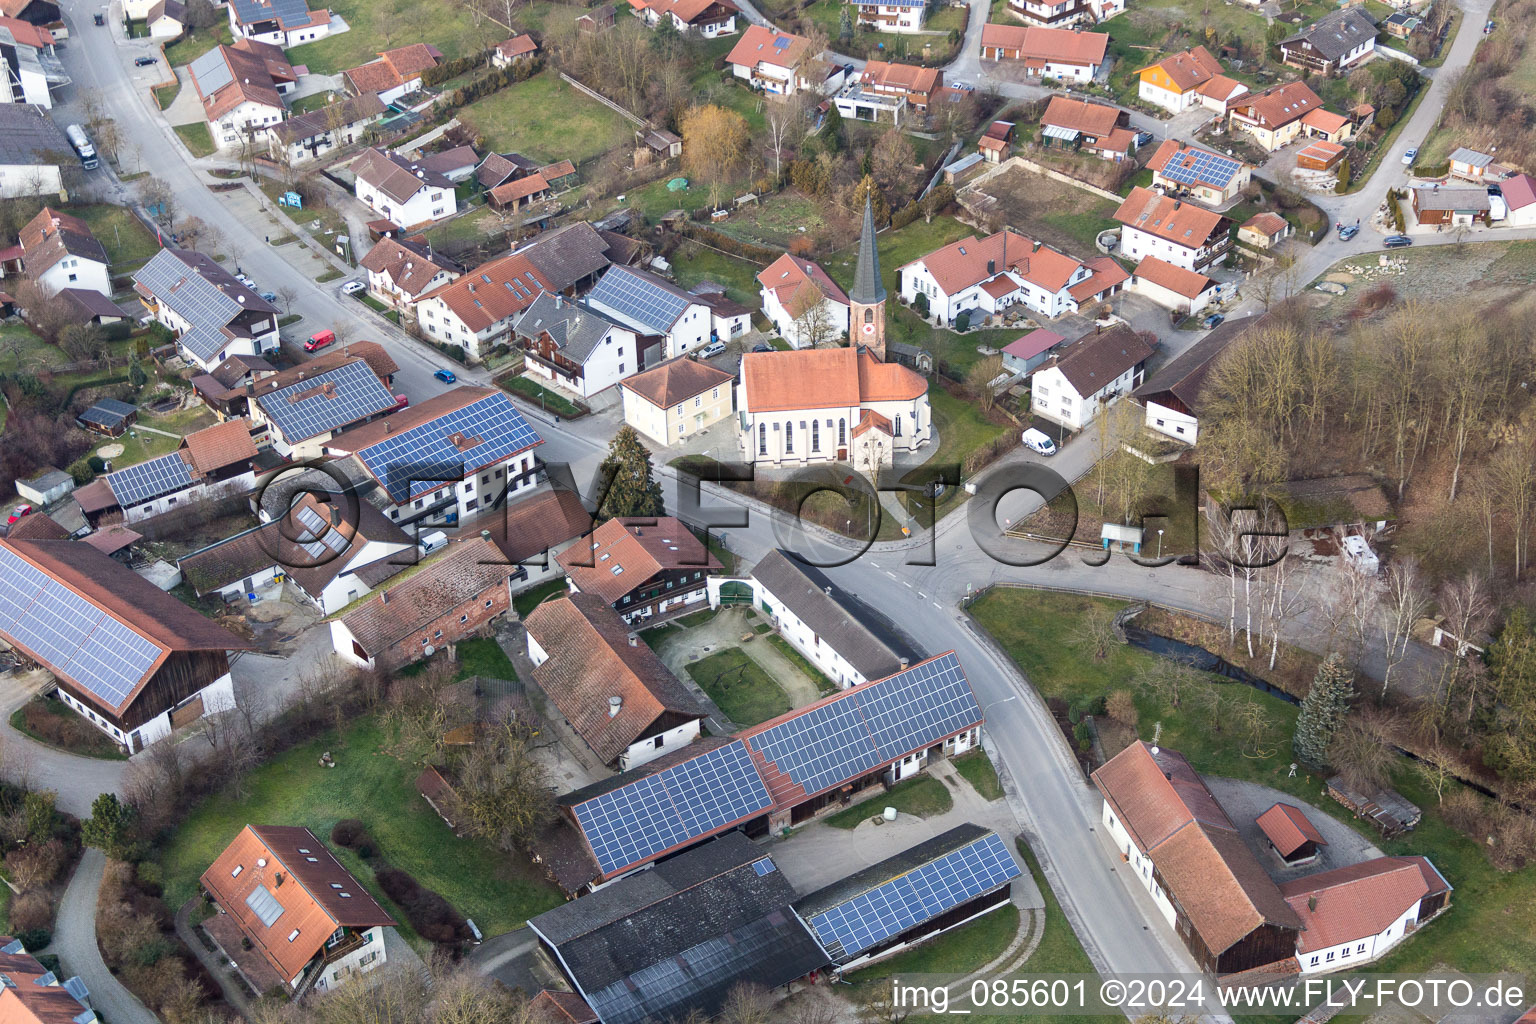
536 392
127 241
801 662
546 119
963 429
304 104
976 768
483 656
923 796
693 263
695 619
896 248
19 347
187 50
378 25
534 596
961 951
196 137
139 445
499 891
742 691
1482 932
657 635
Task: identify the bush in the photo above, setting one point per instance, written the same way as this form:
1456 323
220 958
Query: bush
97 464
1083 733
1438 170
963 322
36 866
31 912
428 913
906 215
32 939
347 832
920 304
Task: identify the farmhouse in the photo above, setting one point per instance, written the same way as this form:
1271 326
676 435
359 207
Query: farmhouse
612 690
680 397
400 190
322 927
440 602
1172 230
1083 378
1334 43
330 561
987 275
637 951
872 914
397 73
1355 914
35 994
1046 52
306 137
641 567
656 308
849 642
780 773
830 405
132 660
1198 173
242 89
1091 127
212 315
805 305
1183 80
533 532
1274 116
1172 394
1174 288
454 454
214 462
570 343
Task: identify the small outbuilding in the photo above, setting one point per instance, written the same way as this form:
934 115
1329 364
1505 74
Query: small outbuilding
47 487
1293 838
110 417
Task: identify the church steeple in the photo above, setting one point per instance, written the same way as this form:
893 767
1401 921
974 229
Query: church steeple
866 302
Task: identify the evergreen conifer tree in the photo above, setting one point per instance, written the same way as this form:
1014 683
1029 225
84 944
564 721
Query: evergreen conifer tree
1323 710
633 489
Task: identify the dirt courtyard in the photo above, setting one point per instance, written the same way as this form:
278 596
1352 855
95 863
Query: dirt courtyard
1060 215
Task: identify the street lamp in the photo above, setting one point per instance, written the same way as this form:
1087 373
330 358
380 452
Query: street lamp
1159 543
995 703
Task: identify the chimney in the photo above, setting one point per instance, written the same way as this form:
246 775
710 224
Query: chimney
1312 903
335 516
1177 203
614 703
558 301
828 591
634 641
386 426
277 880
1036 247
383 597
903 662
991 267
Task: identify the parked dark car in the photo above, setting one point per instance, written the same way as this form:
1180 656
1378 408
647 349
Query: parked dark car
144 62
1398 242
1214 320
1347 232
100 19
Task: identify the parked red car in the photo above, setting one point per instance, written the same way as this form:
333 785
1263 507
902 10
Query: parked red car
319 340
18 512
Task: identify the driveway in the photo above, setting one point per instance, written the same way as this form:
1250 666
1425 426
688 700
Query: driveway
74 940
74 779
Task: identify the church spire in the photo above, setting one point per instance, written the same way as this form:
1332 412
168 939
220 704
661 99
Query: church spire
867 288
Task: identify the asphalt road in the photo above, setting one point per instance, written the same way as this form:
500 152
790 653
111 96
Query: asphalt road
74 940
923 599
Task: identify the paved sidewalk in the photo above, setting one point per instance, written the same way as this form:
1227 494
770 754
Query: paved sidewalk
233 989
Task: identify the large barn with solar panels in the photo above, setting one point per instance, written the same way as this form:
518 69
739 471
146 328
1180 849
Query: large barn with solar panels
457 453
779 773
132 660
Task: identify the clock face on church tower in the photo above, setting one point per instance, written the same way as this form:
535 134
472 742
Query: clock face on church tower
869 328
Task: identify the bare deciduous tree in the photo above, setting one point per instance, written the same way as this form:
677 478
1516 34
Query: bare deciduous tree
1402 605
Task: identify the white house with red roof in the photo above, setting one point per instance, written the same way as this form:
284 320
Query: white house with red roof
806 306
1519 201
1047 52
830 405
774 62
283 23
1174 231
988 275
1084 378
1065 13
1183 291
1355 914
241 88
709 18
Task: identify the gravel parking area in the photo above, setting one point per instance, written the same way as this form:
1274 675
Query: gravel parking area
1245 801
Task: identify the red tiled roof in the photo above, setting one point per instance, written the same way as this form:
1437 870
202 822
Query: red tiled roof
223 444
1268 224
1106 273
1039 45
520 188
492 291
297 870
439 587
561 1008
409 270
1032 344
25 32
517 46
1280 104
761 45
789 277
1176 279
962 264
528 528
593 658
1325 121
1182 223
1358 901
907 78
1321 150
688 11
1079 115
639 548
676 381
1188 69
1519 191
1288 828
824 378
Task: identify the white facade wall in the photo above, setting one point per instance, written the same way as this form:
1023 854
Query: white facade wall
34 88
1178 425
342 641
906 19
1358 950
429 203
1166 98
229 131
772 78
1053 397
487 482
834 313
648 748
241 484
77 272
1136 244
346 587
217 696
1170 299
277 37
691 331
782 437
1141 865
803 638
1069 72
382 287
945 307
367 957
258 582
616 357
18 180
441 323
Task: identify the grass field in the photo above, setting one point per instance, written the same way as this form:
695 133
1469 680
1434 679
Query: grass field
963 428
976 768
197 138
531 598
1482 932
923 796
774 220
693 263
739 687
127 241
483 656
536 392
896 247
499 891
304 104
187 50
19 348
378 25
1060 215
546 119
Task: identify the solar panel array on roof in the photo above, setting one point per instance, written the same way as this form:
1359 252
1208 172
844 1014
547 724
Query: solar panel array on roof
188 294
1206 168
150 479
212 72
633 823
106 413
871 725
405 461
639 299
319 528
868 919
72 636
289 12
342 396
